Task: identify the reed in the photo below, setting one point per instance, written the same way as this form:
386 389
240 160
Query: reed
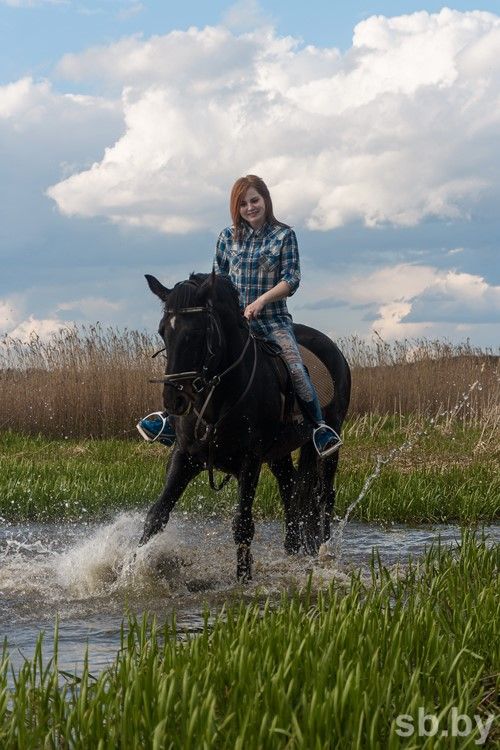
93 382
331 671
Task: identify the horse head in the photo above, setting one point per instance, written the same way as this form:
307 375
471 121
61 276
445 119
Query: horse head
192 330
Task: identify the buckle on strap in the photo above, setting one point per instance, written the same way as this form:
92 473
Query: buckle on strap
198 385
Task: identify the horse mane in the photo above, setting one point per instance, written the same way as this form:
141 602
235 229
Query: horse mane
203 286
185 293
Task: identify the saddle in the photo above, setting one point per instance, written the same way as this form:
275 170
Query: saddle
318 372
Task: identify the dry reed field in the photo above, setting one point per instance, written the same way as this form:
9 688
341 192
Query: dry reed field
93 381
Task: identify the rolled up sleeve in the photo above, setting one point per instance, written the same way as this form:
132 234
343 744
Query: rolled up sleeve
290 263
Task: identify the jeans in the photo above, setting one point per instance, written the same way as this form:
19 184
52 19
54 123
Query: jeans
304 388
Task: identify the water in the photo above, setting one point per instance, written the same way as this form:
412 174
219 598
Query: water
90 575
333 548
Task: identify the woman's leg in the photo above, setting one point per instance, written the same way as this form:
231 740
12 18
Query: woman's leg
326 440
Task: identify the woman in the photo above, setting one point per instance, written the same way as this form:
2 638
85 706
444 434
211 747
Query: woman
260 256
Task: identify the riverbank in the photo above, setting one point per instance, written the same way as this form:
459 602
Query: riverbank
355 666
449 474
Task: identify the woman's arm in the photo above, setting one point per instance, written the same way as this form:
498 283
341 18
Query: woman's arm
281 290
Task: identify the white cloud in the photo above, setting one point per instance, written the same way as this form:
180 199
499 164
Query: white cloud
130 11
24 99
461 298
93 308
43 328
32 3
26 103
402 127
410 300
16 324
244 15
8 315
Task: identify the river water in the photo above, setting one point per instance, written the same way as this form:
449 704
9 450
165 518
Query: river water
90 575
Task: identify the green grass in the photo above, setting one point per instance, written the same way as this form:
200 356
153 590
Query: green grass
450 474
331 671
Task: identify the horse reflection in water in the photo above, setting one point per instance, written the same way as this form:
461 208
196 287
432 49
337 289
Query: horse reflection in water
225 397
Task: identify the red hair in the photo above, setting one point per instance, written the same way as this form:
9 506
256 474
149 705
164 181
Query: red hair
238 192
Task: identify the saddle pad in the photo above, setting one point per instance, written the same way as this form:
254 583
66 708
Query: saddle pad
321 378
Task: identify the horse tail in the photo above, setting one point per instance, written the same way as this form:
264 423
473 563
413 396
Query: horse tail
315 488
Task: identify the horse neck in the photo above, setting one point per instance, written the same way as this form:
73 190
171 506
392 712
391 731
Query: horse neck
235 339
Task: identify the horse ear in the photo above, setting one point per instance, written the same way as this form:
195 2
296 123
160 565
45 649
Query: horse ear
157 288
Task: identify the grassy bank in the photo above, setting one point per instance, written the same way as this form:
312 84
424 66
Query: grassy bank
335 672
449 475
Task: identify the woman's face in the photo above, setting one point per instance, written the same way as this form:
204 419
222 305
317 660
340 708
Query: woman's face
253 208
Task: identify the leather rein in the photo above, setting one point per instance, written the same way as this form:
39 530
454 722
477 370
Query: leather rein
200 382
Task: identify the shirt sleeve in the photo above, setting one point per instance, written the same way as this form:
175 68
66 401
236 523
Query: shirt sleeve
290 263
221 261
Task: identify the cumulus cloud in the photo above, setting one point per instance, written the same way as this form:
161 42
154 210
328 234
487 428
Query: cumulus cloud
42 328
15 323
401 127
462 298
245 14
93 308
27 103
410 300
8 315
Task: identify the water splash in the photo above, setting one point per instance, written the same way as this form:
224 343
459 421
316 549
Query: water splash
333 548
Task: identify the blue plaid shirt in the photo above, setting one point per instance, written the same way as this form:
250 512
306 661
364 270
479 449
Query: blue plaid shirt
262 259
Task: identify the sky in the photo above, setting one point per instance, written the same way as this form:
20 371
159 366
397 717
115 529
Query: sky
124 124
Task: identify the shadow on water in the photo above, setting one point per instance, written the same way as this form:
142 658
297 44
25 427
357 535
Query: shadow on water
90 575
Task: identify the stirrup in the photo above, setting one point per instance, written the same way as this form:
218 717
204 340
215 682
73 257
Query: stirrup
144 434
327 451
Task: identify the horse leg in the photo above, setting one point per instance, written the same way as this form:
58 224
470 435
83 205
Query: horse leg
307 493
284 471
243 525
327 492
327 470
181 470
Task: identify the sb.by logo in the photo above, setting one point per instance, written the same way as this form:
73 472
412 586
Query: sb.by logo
459 725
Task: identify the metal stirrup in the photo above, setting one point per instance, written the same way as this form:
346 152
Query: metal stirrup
327 451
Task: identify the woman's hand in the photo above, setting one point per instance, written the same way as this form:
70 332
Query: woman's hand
254 308
281 290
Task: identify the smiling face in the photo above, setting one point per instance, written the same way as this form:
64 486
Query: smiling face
253 208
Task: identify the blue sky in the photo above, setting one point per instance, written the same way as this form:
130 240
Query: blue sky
375 124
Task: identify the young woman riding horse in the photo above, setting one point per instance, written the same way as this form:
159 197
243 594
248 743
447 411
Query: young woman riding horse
259 254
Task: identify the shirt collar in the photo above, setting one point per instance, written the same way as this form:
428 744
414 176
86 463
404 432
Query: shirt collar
249 232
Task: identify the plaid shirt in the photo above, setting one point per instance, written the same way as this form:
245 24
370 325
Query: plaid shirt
262 259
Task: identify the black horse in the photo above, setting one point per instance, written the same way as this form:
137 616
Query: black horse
223 392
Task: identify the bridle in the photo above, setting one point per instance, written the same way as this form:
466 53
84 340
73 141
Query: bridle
198 379
201 381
